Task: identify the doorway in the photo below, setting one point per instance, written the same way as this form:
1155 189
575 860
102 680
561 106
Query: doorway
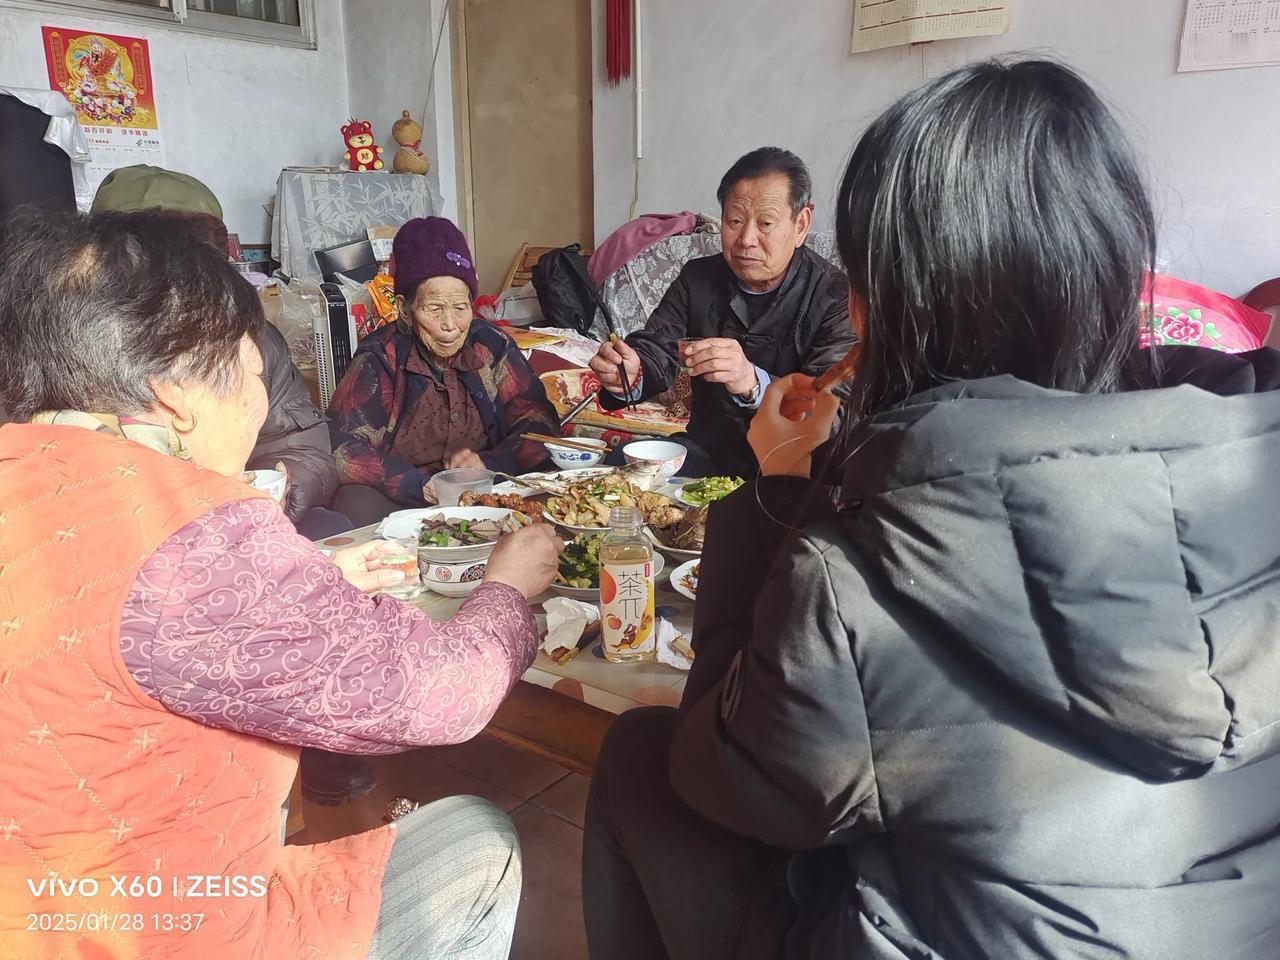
524 98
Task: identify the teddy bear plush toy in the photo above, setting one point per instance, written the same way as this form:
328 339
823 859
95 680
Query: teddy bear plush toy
362 153
407 132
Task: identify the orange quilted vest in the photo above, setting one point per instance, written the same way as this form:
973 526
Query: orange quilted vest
125 830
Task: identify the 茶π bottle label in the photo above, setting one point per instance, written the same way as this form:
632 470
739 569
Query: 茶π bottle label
626 610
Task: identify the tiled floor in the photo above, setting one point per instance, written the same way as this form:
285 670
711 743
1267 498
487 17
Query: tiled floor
546 802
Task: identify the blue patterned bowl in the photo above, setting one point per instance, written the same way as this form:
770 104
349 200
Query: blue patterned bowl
568 458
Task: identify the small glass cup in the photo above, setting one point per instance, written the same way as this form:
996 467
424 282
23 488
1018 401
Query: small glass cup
682 345
405 559
452 484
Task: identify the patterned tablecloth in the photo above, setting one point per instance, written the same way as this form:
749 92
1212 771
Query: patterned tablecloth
588 677
315 211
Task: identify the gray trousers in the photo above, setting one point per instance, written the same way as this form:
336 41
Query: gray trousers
452 884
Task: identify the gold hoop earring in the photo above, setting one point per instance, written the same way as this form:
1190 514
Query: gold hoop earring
184 426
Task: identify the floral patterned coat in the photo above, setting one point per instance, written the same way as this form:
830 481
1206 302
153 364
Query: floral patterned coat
378 396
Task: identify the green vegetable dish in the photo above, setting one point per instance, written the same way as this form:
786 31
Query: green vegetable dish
458 533
580 562
701 492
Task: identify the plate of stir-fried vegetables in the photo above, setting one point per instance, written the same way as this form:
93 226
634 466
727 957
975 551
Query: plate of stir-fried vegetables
579 573
585 505
699 493
455 534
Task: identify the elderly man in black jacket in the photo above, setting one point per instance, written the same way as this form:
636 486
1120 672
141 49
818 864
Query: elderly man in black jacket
295 437
766 308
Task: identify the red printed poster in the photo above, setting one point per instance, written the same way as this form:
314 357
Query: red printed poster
109 83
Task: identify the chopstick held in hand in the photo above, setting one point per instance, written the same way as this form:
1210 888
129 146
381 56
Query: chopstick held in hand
622 374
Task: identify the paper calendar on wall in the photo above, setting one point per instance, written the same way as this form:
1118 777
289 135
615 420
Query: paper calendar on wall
108 81
892 23
1220 34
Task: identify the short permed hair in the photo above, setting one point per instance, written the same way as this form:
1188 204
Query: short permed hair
95 309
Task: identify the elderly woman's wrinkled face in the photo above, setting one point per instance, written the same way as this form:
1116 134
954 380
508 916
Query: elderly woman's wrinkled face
219 424
441 315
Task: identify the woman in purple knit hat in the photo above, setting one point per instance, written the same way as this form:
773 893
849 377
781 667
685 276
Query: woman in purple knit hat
439 389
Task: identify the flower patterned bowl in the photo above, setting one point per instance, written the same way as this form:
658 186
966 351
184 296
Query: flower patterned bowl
571 458
452 579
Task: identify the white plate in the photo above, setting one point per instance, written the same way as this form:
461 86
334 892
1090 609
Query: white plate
555 481
689 503
407 524
592 594
674 553
677 579
404 524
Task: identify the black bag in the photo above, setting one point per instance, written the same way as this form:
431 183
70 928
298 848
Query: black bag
566 292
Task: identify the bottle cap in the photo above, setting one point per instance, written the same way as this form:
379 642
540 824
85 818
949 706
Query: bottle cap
626 517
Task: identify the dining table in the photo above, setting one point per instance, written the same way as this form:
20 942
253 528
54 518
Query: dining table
561 711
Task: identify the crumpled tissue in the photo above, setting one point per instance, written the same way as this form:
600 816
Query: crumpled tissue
671 646
566 619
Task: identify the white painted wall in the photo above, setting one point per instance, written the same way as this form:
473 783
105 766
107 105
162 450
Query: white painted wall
724 76
232 112
389 50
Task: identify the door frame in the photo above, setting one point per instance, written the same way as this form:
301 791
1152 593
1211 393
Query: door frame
462 117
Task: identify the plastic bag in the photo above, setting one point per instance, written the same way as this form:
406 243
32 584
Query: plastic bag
358 296
518 307
297 309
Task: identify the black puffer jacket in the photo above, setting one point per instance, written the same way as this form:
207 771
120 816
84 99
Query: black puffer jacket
295 433
1024 688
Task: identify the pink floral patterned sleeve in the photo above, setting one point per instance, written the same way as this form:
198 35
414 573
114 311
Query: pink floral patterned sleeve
238 622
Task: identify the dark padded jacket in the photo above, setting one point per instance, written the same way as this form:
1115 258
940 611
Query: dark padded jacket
1020 696
806 330
295 432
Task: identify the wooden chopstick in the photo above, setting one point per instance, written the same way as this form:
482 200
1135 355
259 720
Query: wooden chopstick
622 374
567 442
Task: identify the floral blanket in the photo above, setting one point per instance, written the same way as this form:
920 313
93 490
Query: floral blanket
1184 314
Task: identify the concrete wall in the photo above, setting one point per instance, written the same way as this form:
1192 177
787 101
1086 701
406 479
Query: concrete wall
723 76
232 112
389 50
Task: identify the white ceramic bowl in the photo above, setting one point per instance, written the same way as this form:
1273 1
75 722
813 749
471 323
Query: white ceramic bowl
407 524
452 579
272 482
667 453
570 458
592 594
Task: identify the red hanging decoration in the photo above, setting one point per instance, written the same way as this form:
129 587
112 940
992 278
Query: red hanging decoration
618 41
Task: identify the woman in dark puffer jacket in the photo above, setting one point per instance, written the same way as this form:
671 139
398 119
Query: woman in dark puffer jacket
1017 694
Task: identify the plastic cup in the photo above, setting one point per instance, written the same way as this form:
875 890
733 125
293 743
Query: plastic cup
452 484
404 559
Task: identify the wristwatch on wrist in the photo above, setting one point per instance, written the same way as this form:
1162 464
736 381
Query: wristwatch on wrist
752 395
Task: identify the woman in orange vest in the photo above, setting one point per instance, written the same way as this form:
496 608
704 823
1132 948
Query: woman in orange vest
168 643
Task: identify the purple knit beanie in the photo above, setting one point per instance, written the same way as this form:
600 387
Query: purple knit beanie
431 247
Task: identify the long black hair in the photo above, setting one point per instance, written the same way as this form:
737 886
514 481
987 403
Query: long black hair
94 309
994 221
